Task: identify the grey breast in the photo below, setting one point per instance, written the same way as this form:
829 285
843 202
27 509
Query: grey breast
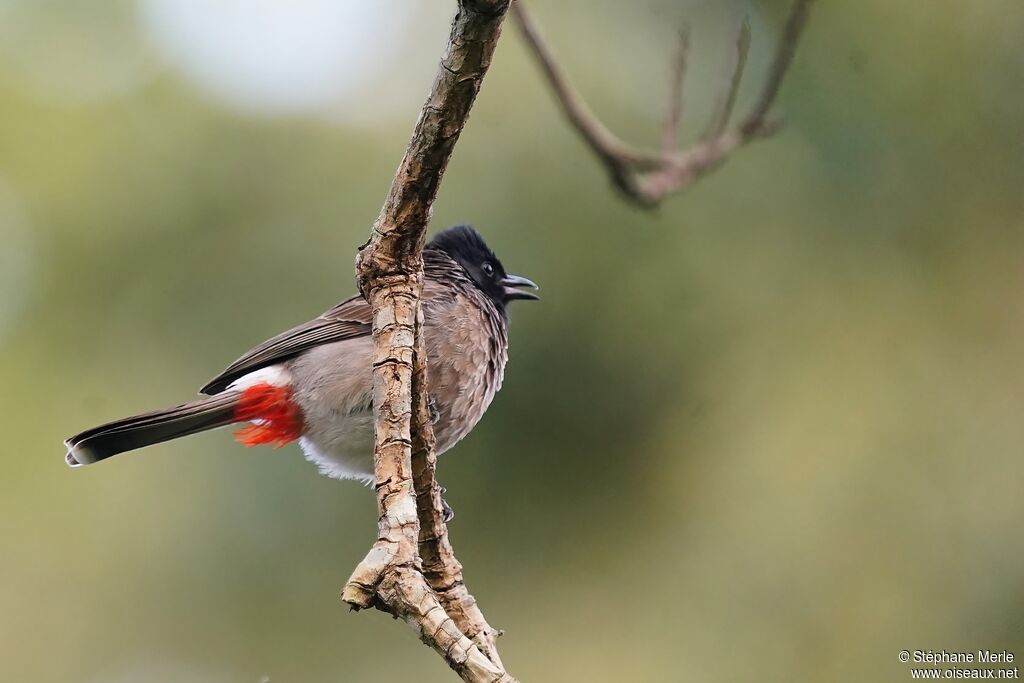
467 347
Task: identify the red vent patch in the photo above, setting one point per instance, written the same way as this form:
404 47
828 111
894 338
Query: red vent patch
278 419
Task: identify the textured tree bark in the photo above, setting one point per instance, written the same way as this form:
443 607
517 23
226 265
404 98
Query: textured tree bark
411 571
428 593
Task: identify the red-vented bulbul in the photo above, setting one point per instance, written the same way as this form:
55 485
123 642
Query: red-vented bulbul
313 383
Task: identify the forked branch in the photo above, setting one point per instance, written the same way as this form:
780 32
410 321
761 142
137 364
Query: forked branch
646 177
411 571
430 597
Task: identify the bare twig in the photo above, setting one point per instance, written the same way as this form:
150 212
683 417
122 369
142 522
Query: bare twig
674 113
646 177
389 270
619 157
726 102
783 58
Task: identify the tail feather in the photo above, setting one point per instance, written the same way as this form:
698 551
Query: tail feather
151 428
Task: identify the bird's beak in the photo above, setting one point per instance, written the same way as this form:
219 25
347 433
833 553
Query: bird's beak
512 282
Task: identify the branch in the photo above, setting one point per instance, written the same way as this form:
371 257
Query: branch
727 100
441 569
646 177
674 113
389 270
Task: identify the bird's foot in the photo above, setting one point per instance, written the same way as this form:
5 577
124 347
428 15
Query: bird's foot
447 513
435 414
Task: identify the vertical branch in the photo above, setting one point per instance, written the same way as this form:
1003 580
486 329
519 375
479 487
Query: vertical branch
780 65
396 244
674 112
389 271
727 100
441 568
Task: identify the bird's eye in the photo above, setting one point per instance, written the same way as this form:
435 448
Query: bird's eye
488 269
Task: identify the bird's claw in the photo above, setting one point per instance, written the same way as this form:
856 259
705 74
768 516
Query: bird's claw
447 513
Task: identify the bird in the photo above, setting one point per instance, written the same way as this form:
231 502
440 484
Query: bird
313 382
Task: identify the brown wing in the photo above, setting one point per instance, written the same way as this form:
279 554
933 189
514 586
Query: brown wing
347 320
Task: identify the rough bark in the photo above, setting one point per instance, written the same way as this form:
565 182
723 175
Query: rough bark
411 571
428 594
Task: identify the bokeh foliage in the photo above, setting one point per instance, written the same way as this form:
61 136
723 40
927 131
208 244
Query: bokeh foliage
771 431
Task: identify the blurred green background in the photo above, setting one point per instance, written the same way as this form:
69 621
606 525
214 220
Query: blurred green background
771 431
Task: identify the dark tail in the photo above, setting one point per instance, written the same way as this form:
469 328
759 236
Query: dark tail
158 426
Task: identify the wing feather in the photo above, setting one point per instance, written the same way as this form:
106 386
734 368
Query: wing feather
348 320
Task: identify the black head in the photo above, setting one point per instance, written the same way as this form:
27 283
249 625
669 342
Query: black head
465 245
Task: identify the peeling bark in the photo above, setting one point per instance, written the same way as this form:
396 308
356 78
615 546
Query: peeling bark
411 571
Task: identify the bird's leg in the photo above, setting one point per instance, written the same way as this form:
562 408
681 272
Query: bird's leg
447 514
435 414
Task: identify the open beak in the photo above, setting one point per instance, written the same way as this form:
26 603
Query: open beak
511 283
